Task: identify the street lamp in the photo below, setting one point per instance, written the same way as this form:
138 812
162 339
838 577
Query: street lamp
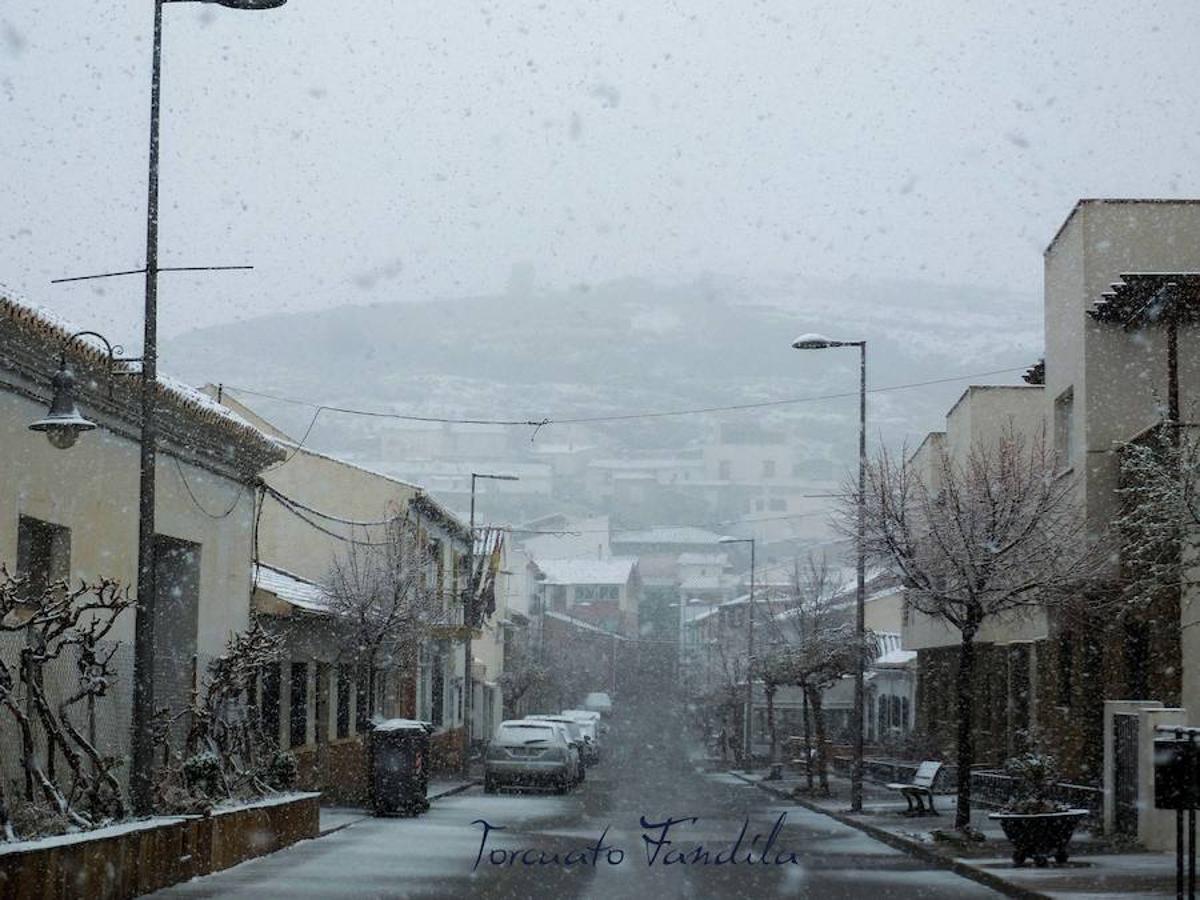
820 342
746 732
470 613
63 422
141 778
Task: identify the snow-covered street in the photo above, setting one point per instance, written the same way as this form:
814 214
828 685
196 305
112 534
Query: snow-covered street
435 855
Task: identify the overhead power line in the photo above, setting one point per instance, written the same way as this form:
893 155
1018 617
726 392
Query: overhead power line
545 421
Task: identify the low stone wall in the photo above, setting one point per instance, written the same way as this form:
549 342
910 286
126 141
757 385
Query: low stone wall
344 780
139 857
446 748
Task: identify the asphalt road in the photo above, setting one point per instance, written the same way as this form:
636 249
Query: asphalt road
441 854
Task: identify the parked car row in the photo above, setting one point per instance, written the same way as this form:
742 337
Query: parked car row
544 750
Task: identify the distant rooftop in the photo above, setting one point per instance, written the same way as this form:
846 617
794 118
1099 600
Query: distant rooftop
292 589
703 559
587 571
687 534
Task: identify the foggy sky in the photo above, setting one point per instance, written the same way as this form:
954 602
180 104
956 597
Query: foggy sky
362 151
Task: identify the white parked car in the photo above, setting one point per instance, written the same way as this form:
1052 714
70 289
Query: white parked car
534 753
571 734
598 701
591 726
579 734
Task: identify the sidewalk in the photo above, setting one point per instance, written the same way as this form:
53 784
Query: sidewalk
335 818
1096 867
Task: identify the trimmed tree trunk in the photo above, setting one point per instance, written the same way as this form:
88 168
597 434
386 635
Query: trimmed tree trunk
814 700
808 758
770 690
966 738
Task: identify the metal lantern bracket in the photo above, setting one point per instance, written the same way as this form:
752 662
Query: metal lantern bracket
115 353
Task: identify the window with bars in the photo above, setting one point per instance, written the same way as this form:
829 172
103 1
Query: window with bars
298 709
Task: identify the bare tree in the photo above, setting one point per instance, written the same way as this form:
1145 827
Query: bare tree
225 754
991 536
60 622
813 646
379 592
523 673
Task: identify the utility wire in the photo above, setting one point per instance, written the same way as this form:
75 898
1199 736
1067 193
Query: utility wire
620 417
321 528
200 506
329 517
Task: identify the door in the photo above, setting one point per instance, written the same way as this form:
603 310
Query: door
176 616
1125 774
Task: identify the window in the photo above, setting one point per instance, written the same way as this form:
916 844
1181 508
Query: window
437 698
298 710
269 702
768 468
345 675
43 554
1137 659
1066 652
321 699
176 621
439 567
724 470
778 504
362 698
1064 429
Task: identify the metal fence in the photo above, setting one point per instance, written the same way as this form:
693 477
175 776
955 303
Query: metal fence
104 721
994 788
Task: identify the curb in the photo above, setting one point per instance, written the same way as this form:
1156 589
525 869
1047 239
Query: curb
337 828
912 848
450 792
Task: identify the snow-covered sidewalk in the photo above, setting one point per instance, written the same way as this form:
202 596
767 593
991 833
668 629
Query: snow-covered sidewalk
335 818
1094 869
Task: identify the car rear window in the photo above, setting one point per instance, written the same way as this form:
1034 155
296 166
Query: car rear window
519 734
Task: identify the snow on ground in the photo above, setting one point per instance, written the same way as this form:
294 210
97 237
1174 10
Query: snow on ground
369 857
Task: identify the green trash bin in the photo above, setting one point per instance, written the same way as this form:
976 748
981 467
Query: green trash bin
399 767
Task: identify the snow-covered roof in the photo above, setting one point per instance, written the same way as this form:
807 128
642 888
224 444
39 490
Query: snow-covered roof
291 589
645 464
400 725
45 325
896 658
582 625
687 534
703 559
587 571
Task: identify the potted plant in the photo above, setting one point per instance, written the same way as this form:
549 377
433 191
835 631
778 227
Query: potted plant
1037 825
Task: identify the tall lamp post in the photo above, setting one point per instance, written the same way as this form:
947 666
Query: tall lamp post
470 614
746 731
56 426
820 342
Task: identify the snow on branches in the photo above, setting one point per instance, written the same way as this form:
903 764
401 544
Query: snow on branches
975 538
71 625
1160 506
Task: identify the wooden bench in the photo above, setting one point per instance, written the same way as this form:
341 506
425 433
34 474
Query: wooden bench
920 789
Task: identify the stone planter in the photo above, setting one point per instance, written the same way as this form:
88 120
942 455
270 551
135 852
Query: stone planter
1038 836
135 858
